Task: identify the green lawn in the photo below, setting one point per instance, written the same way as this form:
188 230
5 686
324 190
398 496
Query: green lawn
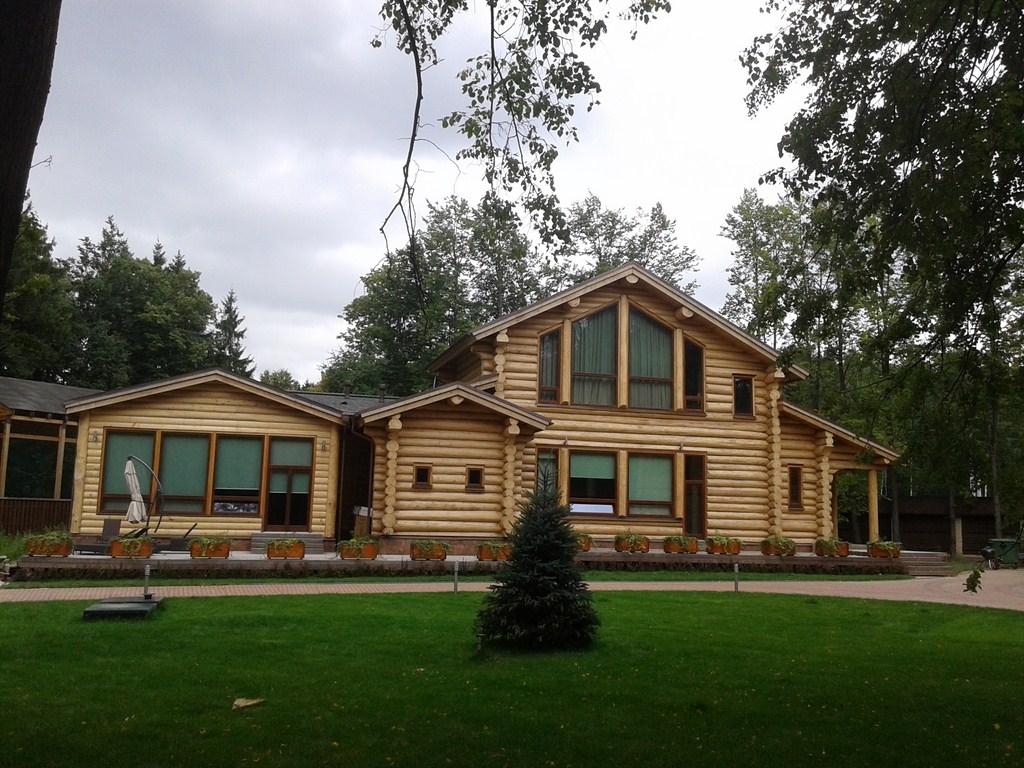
396 680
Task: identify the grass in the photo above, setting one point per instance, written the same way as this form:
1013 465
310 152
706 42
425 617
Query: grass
396 680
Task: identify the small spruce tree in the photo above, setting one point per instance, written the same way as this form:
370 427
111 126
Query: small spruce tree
540 600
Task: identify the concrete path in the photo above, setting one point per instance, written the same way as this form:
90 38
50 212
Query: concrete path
999 589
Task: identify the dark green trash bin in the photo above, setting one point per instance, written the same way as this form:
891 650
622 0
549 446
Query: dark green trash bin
1007 550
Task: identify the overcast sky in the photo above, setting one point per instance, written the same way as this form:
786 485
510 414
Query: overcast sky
265 140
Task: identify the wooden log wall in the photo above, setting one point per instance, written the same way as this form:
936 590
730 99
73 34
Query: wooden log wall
747 460
448 438
205 409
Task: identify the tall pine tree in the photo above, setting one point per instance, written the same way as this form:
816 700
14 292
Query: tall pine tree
228 334
540 600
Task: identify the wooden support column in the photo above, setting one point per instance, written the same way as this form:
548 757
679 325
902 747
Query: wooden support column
565 363
775 480
563 474
622 353
872 505
508 482
499 362
389 517
824 505
58 475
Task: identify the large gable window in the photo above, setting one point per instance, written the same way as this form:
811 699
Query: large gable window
650 363
550 365
594 343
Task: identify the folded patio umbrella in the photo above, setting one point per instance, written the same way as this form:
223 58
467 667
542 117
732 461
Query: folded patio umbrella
137 507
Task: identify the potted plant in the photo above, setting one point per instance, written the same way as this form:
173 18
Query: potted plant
131 546
359 548
286 548
883 548
679 544
584 541
778 545
493 550
55 543
723 545
632 542
209 546
429 549
831 547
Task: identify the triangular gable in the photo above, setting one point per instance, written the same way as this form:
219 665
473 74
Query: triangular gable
208 376
458 393
819 422
631 272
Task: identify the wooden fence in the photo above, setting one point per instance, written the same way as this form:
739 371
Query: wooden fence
28 515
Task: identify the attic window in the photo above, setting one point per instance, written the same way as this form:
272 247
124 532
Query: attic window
421 476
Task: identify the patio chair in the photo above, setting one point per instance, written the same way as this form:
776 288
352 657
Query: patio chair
111 530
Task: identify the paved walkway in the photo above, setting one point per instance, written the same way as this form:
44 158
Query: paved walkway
999 589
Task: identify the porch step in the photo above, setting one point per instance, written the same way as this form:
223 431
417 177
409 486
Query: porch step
314 542
926 563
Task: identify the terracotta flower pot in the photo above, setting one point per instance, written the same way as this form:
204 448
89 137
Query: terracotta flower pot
892 551
842 549
633 544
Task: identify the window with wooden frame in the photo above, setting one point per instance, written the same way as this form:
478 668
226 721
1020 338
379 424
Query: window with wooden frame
595 358
592 483
475 479
548 390
289 484
693 377
117 447
421 476
743 396
547 470
650 487
695 512
182 460
796 486
650 362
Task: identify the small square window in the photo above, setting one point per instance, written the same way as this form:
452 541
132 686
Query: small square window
421 476
474 478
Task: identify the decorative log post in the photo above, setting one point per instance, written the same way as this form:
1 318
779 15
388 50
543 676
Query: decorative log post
775 461
872 505
824 450
501 340
508 495
391 478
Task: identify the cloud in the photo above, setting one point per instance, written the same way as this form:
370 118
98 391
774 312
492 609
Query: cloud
265 142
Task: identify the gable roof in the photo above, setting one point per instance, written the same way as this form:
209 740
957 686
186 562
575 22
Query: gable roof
820 422
460 392
632 273
208 376
38 396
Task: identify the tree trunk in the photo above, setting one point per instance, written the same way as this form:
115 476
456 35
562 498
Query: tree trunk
994 459
894 494
952 521
28 39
